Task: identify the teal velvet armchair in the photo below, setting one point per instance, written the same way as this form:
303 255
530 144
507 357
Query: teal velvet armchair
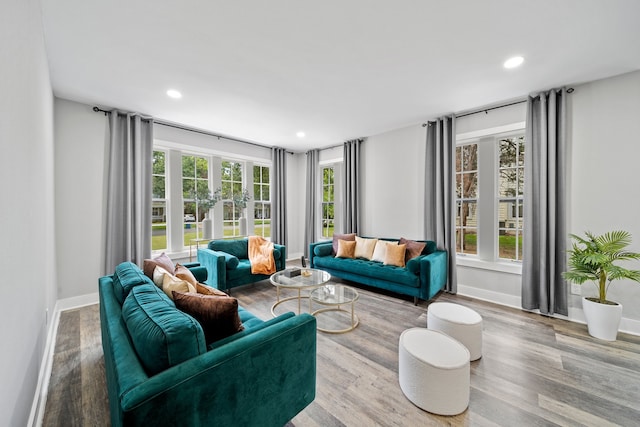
227 263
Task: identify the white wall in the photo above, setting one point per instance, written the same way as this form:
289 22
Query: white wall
605 127
27 253
80 136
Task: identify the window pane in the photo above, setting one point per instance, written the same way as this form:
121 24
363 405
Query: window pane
188 187
158 187
158 225
265 175
469 241
188 166
202 168
470 157
508 152
265 192
508 182
237 172
158 162
470 185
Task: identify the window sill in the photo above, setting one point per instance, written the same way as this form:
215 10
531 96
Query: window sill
501 266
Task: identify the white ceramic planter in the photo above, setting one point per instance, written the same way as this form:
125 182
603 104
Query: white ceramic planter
207 227
603 320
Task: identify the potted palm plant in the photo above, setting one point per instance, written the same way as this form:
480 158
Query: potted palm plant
593 259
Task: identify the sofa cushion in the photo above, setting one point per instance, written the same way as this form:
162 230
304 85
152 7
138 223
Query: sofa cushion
127 275
162 335
218 315
230 261
238 248
182 272
370 269
350 237
346 249
380 252
161 260
172 283
208 290
365 247
240 272
395 255
414 248
323 250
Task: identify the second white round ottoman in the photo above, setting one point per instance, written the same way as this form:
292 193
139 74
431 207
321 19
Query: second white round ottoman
459 322
434 372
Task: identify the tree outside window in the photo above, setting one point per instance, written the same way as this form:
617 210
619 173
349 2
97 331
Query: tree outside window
195 180
262 205
328 201
159 202
466 199
231 189
510 197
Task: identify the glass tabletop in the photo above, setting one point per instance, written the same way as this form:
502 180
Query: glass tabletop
334 295
300 278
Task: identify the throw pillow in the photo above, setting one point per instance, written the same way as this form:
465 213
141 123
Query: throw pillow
182 272
217 315
414 248
380 252
161 260
351 237
395 255
172 283
158 276
346 249
365 247
208 290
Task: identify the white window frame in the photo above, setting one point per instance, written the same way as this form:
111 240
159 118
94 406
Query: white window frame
487 207
259 202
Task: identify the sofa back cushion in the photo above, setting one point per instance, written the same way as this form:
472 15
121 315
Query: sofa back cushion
162 335
126 277
238 248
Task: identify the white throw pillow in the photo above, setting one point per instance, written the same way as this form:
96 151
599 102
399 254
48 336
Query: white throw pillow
364 247
380 252
158 276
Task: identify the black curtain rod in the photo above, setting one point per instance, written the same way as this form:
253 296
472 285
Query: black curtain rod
486 110
173 125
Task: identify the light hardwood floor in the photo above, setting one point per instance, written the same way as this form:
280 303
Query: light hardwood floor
535 371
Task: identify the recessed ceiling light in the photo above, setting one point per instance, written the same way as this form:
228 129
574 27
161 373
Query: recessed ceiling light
300 134
513 62
172 93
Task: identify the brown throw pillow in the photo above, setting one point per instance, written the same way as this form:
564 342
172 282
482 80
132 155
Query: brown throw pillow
395 255
184 273
414 248
346 249
217 315
208 290
161 260
351 237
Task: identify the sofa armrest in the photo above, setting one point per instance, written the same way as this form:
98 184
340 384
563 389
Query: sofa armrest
281 262
198 271
215 263
324 245
433 272
263 378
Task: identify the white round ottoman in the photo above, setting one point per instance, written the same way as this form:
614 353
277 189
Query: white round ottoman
434 371
459 322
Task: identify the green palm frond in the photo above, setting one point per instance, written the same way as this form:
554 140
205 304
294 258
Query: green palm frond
592 258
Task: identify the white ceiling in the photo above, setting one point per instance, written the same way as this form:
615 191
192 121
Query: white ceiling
263 70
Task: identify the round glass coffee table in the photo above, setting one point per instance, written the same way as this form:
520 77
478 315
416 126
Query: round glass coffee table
307 278
334 297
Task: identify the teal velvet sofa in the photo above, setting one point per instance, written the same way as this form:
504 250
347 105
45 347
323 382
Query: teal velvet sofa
228 266
422 277
160 372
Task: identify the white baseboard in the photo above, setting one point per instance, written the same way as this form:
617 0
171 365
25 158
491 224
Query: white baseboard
36 415
628 326
490 296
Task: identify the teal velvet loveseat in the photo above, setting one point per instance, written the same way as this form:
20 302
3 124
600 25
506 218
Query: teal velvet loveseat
160 372
422 277
227 263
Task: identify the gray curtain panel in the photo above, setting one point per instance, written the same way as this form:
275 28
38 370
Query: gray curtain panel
439 209
351 186
545 195
311 205
279 203
128 204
